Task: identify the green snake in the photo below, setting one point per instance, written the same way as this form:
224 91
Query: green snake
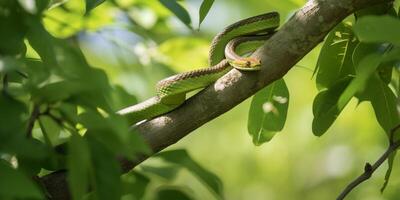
243 36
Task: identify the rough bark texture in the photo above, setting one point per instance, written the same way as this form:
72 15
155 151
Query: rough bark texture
279 54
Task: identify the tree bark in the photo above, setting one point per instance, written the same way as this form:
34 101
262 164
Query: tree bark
299 35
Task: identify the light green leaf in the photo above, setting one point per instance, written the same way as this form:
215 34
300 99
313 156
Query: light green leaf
14 184
334 61
183 159
178 10
204 8
268 112
51 129
79 166
378 29
365 69
91 4
325 106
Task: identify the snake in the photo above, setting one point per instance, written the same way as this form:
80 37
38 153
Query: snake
228 50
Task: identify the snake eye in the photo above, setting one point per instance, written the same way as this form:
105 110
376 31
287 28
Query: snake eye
248 63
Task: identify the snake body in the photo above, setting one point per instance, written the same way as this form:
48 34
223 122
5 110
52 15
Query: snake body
243 35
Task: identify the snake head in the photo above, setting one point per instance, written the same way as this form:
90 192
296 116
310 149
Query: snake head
247 64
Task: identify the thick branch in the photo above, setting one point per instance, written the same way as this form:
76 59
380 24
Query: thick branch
293 41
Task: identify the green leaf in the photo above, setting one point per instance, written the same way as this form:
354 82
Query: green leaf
268 112
170 193
365 69
383 101
12 29
178 10
204 9
388 171
378 29
134 184
51 130
42 42
183 159
334 61
106 171
13 117
166 172
91 4
325 106
14 184
79 166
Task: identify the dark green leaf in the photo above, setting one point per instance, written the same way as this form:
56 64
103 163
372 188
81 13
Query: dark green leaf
378 29
325 106
365 69
166 172
204 8
268 112
106 171
178 10
13 117
182 158
14 184
91 4
12 29
79 166
389 170
172 193
334 61
135 184
42 42
383 101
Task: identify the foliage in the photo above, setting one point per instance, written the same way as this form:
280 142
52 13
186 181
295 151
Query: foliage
57 103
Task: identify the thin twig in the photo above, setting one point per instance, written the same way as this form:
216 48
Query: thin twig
31 122
370 169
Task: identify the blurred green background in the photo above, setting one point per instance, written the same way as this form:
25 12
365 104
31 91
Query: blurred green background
138 42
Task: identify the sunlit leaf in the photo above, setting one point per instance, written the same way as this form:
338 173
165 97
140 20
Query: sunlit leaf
268 112
178 10
14 184
204 9
182 158
378 29
334 61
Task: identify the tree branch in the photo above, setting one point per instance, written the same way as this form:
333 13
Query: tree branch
306 29
370 169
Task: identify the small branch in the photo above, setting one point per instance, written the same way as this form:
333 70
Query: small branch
31 122
370 169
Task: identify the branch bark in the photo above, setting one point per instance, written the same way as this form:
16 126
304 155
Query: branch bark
299 35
